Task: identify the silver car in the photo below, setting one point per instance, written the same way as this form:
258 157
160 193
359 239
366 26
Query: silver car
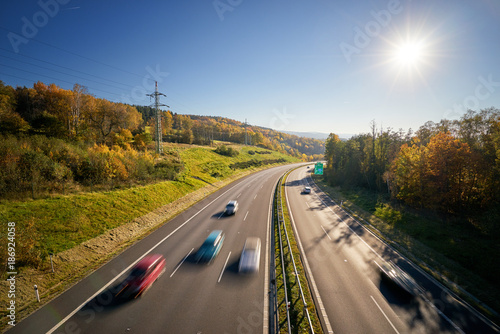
250 256
231 208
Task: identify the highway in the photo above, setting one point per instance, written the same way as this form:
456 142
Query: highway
341 263
189 297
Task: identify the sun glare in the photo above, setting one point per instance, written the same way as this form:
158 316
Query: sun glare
409 54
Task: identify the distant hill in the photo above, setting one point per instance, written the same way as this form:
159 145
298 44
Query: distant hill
317 135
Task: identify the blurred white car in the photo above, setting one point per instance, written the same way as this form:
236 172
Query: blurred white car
306 190
250 256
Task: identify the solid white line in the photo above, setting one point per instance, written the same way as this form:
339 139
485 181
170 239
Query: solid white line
180 264
385 315
224 268
325 232
246 216
265 315
133 264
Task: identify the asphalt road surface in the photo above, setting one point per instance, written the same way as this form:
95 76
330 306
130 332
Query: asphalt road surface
342 259
189 297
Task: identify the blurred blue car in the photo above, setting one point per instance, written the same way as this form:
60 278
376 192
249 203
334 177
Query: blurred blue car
210 247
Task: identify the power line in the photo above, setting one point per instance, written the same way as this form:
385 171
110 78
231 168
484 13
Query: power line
48 76
189 110
64 67
76 54
57 71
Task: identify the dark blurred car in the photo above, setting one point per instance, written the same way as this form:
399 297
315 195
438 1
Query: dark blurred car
397 277
231 208
250 256
142 276
211 247
306 190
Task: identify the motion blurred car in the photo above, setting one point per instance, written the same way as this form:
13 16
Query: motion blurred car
250 256
400 279
231 208
210 247
142 276
306 190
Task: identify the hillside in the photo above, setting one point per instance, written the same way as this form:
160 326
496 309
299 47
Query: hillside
75 115
83 230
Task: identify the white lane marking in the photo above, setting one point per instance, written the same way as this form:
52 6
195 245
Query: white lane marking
238 195
385 315
224 268
325 232
265 315
246 216
255 196
222 214
180 264
308 205
309 272
133 264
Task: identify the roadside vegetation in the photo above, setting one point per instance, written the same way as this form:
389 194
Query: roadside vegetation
297 310
84 230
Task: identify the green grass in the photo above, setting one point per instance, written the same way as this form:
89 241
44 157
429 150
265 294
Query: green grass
61 222
452 247
298 317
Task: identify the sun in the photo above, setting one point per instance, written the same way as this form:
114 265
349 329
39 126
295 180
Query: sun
409 54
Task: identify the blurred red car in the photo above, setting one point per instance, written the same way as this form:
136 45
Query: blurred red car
142 276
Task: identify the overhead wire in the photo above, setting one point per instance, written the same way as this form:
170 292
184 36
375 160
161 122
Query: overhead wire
57 71
64 67
74 70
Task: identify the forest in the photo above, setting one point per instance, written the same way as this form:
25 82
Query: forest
452 167
69 140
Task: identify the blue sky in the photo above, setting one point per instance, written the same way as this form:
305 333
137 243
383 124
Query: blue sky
322 66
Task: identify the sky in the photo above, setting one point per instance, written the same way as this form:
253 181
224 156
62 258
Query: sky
308 66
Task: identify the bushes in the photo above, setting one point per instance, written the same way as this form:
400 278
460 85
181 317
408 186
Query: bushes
255 163
227 151
36 166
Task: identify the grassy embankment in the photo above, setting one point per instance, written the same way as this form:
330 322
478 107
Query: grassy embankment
298 317
454 251
85 230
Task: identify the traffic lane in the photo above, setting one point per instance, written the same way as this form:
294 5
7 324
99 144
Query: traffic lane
198 221
216 285
349 301
419 315
46 317
447 309
430 312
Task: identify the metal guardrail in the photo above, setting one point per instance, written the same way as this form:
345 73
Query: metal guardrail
282 227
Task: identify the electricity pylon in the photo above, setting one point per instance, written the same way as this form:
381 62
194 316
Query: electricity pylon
158 130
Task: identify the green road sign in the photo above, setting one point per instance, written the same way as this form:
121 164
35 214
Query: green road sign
318 168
